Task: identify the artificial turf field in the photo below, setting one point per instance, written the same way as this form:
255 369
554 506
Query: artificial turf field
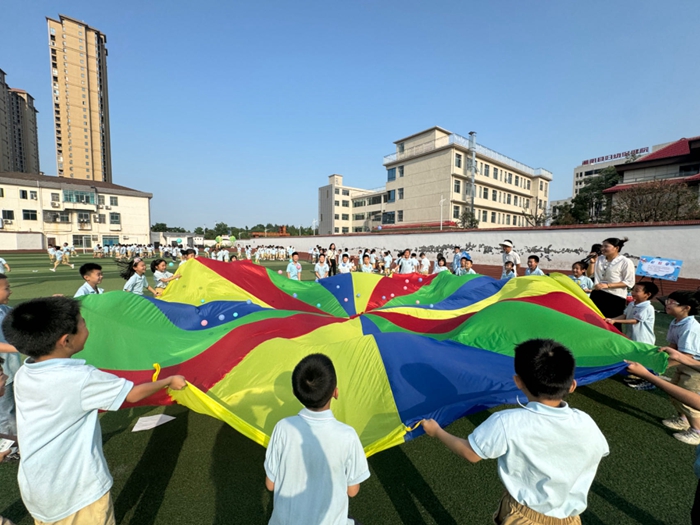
197 470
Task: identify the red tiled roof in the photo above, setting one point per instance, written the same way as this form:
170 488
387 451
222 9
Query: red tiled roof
623 187
675 149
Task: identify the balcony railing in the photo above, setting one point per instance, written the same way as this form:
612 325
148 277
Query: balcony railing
481 151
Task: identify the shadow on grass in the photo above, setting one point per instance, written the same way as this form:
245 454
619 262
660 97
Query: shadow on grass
145 489
620 406
239 479
16 511
621 504
405 485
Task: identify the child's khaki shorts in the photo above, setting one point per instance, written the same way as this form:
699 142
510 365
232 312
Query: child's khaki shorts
510 512
688 378
99 513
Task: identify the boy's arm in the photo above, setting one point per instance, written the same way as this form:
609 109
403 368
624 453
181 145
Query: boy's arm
613 320
8 348
459 446
681 394
622 320
269 484
684 359
352 490
7 267
150 289
144 390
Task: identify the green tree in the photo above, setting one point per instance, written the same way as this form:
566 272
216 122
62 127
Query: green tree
591 204
656 201
162 227
468 220
199 230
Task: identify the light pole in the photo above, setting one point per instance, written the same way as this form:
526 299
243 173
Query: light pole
314 223
442 201
472 146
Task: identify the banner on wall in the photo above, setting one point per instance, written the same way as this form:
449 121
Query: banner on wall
659 268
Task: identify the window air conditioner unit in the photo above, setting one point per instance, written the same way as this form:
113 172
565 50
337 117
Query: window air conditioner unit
96 218
101 206
55 204
108 207
6 221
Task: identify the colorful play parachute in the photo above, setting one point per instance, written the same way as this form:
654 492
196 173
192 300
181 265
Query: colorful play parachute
405 348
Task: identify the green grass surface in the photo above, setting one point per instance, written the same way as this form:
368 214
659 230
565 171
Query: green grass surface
197 470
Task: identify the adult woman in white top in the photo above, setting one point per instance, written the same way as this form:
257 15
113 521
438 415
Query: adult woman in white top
331 260
614 274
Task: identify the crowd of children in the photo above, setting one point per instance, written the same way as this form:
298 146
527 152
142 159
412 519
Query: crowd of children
547 452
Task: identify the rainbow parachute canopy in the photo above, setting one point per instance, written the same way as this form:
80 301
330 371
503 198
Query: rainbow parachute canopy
405 348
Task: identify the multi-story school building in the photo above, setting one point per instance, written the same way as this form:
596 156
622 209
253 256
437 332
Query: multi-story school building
38 210
429 182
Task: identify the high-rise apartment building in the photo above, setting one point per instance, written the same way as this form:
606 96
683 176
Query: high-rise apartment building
19 144
429 182
80 99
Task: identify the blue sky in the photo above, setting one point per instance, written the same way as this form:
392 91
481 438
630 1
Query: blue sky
238 111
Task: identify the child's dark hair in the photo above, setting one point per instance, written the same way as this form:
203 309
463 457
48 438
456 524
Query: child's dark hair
687 298
581 264
154 264
3 276
314 380
649 288
545 367
534 258
365 256
89 267
465 259
345 255
35 327
509 263
128 268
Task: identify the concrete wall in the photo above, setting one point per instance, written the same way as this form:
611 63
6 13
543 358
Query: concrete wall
11 241
558 248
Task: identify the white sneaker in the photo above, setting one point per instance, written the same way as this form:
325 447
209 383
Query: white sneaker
689 436
72 266
676 423
52 269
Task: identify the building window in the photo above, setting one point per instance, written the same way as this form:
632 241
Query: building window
357 229
484 216
336 203
33 195
337 217
388 217
336 230
391 174
115 218
493 217
400 147
8 215
55 197
346 193
391 196
346 204
82 197
358 217
545 189
101 200
540 185
399 216
359 203
113 201
29 215
2 192
508 199
400 171
23 194
486 170
83 217
517 180
346 216
346 229
455 212
494 195
337 191
495 173
458 160
508 220
528 184
515 200
400 193
510 178
457 186
377 199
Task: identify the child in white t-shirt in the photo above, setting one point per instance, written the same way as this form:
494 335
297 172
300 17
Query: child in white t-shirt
345 265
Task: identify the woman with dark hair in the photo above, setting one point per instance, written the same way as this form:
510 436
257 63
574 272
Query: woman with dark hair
614 274
332 261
